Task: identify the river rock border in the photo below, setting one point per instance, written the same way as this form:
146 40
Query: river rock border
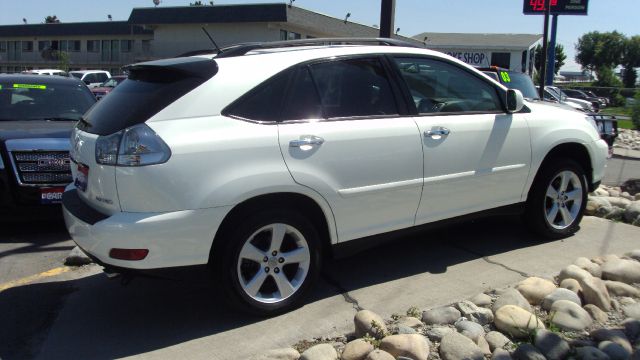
591 310
616 203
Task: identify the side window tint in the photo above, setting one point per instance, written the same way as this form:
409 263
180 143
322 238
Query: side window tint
439 87
264 103
303 101
356 87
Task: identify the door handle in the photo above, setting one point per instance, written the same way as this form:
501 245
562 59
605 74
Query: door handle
439 131
306 140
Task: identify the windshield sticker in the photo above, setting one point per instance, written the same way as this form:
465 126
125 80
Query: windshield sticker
505 76
29 86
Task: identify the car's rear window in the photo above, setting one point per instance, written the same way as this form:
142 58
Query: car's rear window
33 100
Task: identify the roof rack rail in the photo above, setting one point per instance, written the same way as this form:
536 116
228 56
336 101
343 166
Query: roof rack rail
244 48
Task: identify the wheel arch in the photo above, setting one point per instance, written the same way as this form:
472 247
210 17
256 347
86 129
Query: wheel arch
320 216
572 150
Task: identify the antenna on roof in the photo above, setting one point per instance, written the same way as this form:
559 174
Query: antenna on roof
212 41
291 3
397 31
24 20
109 17
156 2
347 17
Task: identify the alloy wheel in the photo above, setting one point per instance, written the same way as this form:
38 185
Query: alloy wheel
563 200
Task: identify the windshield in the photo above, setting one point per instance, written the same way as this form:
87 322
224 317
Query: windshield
110 83
76 75
30 100
519 81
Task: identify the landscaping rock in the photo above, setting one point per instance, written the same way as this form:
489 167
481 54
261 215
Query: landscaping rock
511 297
77 257
615 335
437 333
496 340
571 284
632 186
363 321
617 201
632 310
455 346
280 354
621 289
379 355
626 271
589 266
634 254
595 292
625 300
481 299
527 352
516 321
551 345
573 272
474 313
413 346
631 329
596 314
581 343
534 289
403 329
500 354
590 353
470 329
615 351
483 345
320 352
569 316
356 350
410 322
441 316
560 294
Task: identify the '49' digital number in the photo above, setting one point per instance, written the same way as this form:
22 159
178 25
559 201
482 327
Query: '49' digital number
538 5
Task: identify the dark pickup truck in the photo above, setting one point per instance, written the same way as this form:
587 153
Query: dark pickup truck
37 114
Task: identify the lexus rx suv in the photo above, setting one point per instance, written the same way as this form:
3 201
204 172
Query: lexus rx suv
261 159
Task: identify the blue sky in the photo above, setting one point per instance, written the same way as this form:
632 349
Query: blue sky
412 16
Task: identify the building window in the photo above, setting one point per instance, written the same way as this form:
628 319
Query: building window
27 46
146 46
70 45
13 50
294 35
110 50
44 45
283 34
93 46
126 46
3 46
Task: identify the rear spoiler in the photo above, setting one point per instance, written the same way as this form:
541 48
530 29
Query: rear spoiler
173 69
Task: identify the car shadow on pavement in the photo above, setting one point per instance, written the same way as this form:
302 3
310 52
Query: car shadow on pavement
102 319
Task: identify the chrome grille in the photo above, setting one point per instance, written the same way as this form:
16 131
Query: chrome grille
42 167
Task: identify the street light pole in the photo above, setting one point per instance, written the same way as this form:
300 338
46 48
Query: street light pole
543 68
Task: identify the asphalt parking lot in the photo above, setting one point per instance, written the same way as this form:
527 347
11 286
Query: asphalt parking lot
52 312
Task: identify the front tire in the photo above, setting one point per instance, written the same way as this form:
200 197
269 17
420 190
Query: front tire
268 262
557 199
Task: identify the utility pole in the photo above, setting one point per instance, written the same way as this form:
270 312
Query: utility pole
387 17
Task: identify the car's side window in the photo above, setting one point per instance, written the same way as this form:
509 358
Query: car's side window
264 103
440 87
354 87
303 101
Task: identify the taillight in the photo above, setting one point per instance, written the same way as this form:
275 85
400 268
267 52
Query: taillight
138 145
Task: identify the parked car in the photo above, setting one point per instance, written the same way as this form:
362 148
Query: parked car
261 159
93 78
587 106
37 114
581 95
106 87
46 72
604 101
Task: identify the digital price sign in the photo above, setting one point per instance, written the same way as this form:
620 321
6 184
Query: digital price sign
558 7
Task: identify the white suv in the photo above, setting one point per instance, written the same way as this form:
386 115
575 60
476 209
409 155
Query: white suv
93 78
264 158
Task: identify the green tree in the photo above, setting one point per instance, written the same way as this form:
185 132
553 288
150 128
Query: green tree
598 51
63 60
631 59
51 19
560 58
606 77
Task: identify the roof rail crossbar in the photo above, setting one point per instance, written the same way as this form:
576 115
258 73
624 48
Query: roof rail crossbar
242 49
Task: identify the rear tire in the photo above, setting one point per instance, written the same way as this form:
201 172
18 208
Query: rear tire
268 262
557 199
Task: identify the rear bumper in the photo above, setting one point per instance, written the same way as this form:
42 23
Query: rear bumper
174 239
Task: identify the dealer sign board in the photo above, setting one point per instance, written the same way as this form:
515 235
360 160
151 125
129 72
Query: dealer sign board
558 7
471 57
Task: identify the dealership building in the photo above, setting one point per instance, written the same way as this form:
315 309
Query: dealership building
161 32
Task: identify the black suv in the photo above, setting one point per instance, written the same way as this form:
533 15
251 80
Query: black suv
37 114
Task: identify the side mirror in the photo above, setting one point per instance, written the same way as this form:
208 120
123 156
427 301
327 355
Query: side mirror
515 100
